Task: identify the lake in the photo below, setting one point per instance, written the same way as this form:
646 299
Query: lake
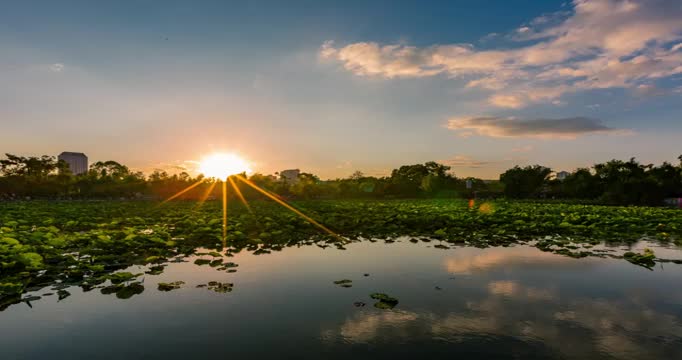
512 302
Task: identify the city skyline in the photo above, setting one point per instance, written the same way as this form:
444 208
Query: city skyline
338 87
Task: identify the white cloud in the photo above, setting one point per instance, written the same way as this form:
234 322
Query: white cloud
600 44
464 161
507 101
56 67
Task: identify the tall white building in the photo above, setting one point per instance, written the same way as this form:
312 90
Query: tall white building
78 162
562 175
290 176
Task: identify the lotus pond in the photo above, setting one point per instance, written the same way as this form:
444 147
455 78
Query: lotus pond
401 279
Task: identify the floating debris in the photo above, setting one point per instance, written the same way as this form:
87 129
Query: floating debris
359 304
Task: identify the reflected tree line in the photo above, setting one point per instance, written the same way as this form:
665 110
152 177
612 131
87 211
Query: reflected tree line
612 182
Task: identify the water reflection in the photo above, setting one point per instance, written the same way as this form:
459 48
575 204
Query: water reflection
506 302
573 328
471 260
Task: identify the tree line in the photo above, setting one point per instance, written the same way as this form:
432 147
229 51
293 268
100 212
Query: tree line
613 182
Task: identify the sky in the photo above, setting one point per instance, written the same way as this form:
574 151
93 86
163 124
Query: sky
332 87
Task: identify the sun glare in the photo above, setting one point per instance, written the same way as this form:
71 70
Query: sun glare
221 166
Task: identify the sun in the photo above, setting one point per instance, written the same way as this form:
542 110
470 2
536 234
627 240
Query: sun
223 165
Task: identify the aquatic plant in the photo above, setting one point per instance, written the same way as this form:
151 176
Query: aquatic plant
645 259
170 286
85 244
385 302
344 283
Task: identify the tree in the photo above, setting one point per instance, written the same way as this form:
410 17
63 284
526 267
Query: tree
413 180
581 184
525 182
36 167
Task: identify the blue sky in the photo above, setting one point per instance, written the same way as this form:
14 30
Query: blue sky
334 87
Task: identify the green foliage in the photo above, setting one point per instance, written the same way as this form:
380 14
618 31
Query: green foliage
346 283
170 286
646 259
385 302
525 182
87 244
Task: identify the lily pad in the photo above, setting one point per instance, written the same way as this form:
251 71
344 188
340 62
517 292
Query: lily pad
220 287
129 291
155 270
170 286
121 277
385 302
62 294
345 283
646 259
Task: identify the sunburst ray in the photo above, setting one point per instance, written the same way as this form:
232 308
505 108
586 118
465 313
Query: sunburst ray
289 207
206 194
239 194
183 191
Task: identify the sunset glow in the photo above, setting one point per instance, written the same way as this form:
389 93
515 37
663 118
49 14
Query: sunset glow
223 165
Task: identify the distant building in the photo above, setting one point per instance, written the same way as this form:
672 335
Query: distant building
290 176
674 202
562 175
78 162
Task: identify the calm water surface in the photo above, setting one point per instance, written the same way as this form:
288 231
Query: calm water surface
515 302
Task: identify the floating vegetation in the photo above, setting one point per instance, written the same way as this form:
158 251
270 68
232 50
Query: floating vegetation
646 259
385 302
220 287
123 291
170 286
84 244
120 277
62 294
31 298
155 270
345 283
129 291
216 263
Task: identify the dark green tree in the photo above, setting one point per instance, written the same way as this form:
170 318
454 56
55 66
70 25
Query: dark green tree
525 182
